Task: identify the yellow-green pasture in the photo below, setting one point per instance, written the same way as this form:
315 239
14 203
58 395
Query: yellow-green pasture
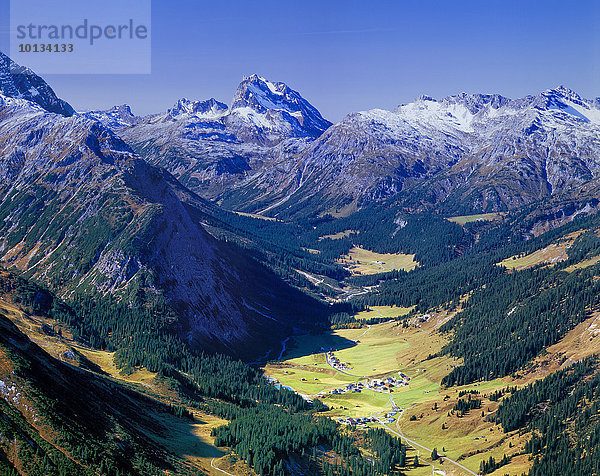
551 254
383 311
361 261
464 219
586 263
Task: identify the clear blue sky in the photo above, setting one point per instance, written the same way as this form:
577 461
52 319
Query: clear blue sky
345 56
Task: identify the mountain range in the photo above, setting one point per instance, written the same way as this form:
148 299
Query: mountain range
469 152
89 202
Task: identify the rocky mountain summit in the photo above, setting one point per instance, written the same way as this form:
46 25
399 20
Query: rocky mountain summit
22 83
267 113
210 146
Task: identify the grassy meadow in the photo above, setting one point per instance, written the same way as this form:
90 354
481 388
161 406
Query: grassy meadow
363 262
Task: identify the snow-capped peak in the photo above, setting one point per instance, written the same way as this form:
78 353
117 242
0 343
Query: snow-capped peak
425 98
566 101
209 109
261 95
262 104
20 103
115 118
123 111
564 92
275 88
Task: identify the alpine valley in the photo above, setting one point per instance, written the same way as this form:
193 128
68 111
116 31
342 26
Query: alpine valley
246 288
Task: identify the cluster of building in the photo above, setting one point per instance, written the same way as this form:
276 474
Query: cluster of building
360 422
335 362
350 388
377 384
404 378
382 384
390 417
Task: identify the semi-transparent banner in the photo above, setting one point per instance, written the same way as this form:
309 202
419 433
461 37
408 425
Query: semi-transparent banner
81 36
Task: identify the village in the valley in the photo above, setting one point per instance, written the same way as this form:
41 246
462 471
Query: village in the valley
378 385
382 385
385 384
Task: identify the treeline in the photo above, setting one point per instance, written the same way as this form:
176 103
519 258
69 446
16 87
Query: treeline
566 434
513 318
444 284
146 337
585 246
285 246
510 317
513 233
77 429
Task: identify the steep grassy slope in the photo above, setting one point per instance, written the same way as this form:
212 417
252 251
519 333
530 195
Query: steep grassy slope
60 419
178 433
